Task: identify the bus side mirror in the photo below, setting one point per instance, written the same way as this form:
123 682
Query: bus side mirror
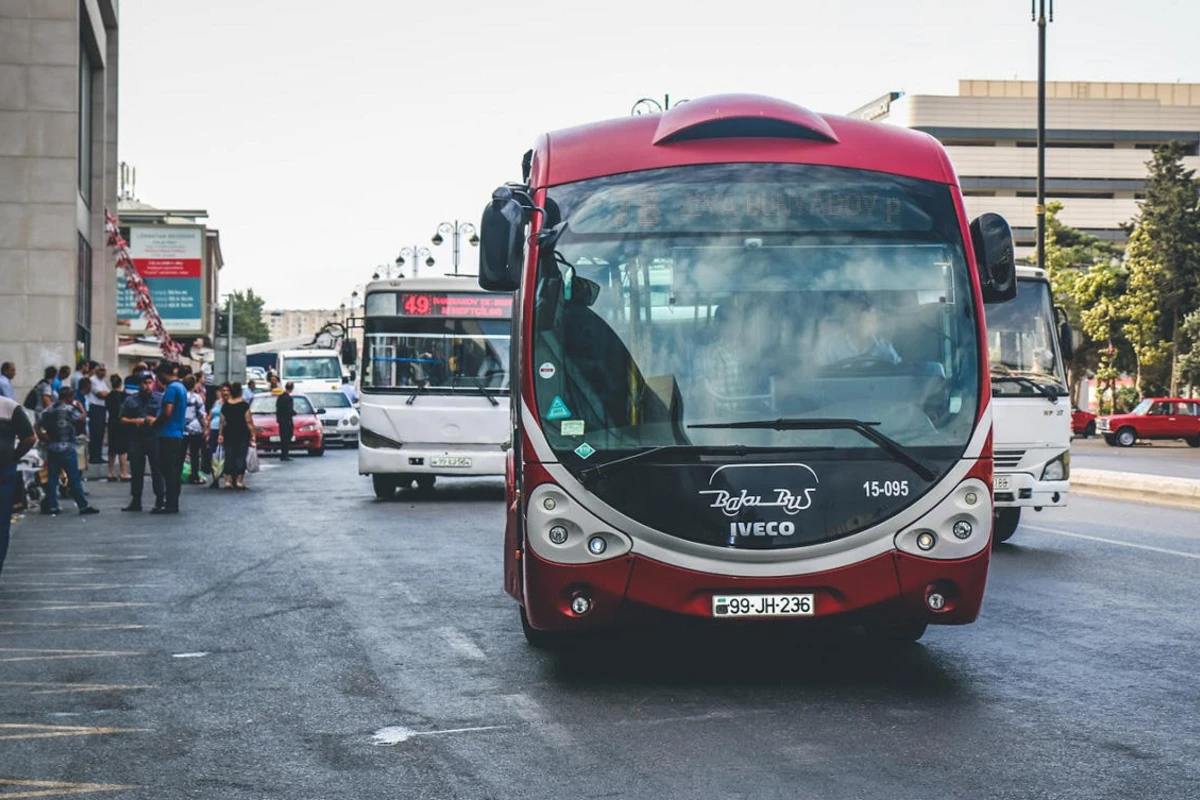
349 352
501 242
1066 335
992 241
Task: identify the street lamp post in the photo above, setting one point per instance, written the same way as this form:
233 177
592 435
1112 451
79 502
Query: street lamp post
416 254
1038 11
229 338
648 105
455 230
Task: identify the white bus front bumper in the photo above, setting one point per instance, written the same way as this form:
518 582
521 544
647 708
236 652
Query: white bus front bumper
485 459
1022 489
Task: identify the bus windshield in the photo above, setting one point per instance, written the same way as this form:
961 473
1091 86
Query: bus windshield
1022 344
301 368
412 343
701 296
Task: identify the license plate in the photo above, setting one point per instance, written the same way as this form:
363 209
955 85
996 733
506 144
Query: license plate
450 461
763 605
1002 483
274 439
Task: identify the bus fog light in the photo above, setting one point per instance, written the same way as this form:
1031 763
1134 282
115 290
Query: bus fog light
580 605
597 545
963 529
558 534
936 601
926 540
971 497
549 504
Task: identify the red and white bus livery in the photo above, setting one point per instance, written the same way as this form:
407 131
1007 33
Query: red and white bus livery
752 371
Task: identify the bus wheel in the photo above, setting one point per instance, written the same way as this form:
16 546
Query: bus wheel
384 485
425 482
899 632
542 640
1005 524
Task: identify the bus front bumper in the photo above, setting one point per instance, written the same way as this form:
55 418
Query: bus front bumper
478 459
889 587
1022 489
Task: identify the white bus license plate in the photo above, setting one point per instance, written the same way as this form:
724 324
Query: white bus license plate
1002 483
763 605
450 461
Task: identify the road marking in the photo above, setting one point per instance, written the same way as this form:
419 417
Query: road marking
19 588
56 731
1152 549
76 607
461 644
56 788
61 655
197 654
68 688
532 712
396 734
80 556
65 627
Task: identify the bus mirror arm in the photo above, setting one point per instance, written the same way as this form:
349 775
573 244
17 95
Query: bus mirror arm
502 241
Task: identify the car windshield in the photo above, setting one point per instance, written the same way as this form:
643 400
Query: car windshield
1022 344
296 368
265 404
329 400
738 292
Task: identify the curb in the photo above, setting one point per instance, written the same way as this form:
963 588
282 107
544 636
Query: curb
1137 486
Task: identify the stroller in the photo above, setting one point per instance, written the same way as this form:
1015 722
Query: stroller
31 470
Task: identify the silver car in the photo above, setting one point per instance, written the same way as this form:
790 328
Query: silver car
339 418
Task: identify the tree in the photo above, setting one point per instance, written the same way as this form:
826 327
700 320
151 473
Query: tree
247 317
1142 309
1171 212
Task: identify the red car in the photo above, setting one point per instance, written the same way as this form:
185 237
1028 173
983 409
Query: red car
306 427
1154 418
1083 423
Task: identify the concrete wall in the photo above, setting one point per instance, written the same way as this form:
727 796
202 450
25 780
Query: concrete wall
42 212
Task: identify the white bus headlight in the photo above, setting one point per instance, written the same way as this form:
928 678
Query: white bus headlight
926 540
1059 468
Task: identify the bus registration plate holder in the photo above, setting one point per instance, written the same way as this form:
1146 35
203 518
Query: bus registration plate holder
763 605
1002 483
450 461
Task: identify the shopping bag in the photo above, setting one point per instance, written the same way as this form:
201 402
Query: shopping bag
187 472
252 460
218 461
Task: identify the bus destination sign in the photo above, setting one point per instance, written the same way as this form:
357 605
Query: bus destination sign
455 304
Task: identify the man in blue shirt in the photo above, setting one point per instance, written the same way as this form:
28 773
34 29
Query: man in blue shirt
171 424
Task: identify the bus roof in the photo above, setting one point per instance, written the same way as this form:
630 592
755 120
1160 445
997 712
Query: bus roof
735 128
436 283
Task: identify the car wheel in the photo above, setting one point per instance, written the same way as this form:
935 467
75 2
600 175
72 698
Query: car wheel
1110 440
1193 442
384 485
1090 430
1126 437
1005 522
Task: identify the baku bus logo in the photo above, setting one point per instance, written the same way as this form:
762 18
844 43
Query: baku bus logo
792 498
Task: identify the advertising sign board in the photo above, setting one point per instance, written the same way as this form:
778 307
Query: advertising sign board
170 259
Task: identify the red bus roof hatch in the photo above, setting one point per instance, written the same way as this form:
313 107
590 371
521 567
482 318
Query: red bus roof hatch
738 116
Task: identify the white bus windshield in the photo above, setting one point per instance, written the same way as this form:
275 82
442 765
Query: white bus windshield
1023 345
303 368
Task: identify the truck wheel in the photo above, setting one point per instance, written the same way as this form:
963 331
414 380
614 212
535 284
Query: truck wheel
1005 522
553 641
1126 437
384 485
1090 430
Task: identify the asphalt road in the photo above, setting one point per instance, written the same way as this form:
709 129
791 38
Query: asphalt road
1170 458
304 640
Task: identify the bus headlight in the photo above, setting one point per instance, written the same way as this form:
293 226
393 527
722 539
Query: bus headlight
370 438
926 540
597 545
1058 468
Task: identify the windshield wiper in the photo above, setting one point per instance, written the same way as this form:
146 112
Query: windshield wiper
1051 391
483 390
413 397
652 453
864 429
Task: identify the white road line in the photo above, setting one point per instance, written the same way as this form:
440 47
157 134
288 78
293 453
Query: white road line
532 712
397 734
1117 542
462 644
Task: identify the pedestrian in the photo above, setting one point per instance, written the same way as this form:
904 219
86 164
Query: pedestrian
171 424
193 428
17 438
82 370
138 416
285 415
8 371
62 378
249 390
237 435
213 426
348 389
59 427
97 411
273 383
43 395
133 384
118 437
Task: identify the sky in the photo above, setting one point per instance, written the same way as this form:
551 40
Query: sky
323 137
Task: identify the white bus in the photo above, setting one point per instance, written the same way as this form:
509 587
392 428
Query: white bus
1031 404
434 383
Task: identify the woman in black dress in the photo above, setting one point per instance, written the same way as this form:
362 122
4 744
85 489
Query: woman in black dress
118 434
237 435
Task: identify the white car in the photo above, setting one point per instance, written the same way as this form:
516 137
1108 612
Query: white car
339 417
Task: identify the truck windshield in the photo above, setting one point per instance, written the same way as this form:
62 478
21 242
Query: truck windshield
439 354
1022 344
298 368
683 297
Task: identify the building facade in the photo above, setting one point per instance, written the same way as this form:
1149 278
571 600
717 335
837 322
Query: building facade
1098 140
58 174
291 323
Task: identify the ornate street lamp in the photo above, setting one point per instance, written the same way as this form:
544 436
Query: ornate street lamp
455 230
416 254
648 105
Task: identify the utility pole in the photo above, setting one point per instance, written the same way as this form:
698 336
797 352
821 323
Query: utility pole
229 339
1038 11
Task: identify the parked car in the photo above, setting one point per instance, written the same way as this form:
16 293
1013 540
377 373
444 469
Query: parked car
306 428
1154 418
1083 423
338 417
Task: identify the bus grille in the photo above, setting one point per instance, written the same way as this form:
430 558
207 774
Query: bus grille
1008 459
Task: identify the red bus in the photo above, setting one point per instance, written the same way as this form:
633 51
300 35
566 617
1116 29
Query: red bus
752 371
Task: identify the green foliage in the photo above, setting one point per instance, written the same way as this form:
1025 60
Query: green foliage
1126 398
1141 309
247 317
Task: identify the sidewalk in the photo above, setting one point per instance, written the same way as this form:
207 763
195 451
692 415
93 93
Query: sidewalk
1141 487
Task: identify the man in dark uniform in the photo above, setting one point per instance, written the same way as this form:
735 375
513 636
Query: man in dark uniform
285 415
139 414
